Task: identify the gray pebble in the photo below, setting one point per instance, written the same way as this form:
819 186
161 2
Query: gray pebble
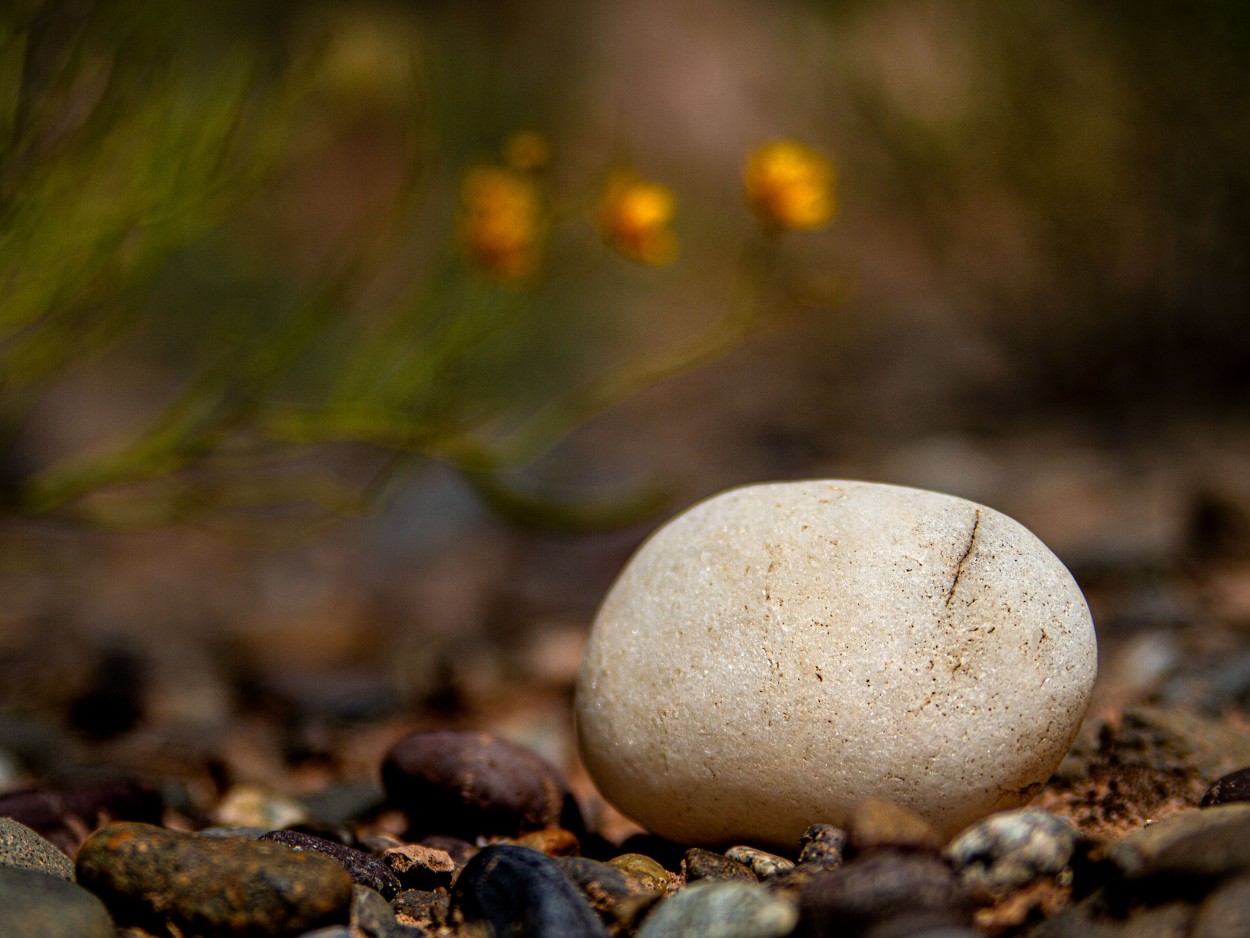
1213 852
373 917
246 833
42 906
1137 848
760 862
1226 911
21 848
721 910
1012 849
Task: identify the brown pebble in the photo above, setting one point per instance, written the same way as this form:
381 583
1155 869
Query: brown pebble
822 845
875 823
760 862
422 908
421 867
553 841
706 864
211 885
470 784
645 870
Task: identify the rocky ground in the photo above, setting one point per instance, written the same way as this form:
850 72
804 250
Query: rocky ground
198 741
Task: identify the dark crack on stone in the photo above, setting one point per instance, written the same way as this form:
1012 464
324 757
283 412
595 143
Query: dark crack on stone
959 568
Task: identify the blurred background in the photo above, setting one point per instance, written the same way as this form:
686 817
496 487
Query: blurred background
290 456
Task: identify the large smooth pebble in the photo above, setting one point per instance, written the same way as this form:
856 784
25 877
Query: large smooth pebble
779 652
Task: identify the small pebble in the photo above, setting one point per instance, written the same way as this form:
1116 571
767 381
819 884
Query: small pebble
420 867
364 868
721 910
373 917
254 806
1012 849
36 905
875 822
610 890
822 844
553 841
760 862
218 885
647 871
1233 787
522 893
470 784
21 848
428 910
856 639
706 864
878 887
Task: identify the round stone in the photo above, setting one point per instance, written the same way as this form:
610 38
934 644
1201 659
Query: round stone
780 652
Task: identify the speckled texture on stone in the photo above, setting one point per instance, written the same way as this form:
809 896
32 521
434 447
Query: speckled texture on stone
211 885
781 651
22 848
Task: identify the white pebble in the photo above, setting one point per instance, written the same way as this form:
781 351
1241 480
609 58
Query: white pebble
780 652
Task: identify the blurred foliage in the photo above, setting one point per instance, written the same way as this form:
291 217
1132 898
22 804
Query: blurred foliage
155 169
1080 176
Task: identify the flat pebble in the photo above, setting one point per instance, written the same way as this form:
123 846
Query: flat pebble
856 639
881 886
466 784
721 910
36 905
520 892
760 862
364 868
1231 788
1135 850
21 848
1012 849
707 864
222 885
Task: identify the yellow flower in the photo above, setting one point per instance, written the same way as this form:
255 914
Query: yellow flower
527 149
634 218
501 221
790 186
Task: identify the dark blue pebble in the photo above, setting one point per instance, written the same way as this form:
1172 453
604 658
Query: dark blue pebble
520 892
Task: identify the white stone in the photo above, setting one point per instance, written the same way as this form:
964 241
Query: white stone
779 652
